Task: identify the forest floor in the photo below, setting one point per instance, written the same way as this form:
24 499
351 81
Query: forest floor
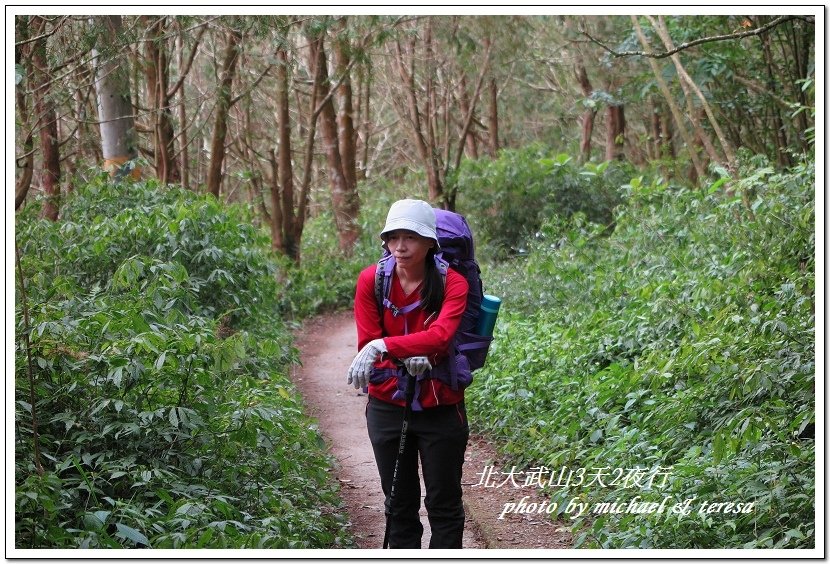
327 346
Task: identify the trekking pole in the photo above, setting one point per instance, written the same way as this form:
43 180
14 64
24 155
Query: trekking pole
409 395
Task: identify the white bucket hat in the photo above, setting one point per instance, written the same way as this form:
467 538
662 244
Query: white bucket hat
412 215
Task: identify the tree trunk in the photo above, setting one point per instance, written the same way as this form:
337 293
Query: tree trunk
46 123
464 101
223 106
588 115
345 120
364 124
87 145
430 124
615 134
344 201
493 119
115 112
654 128
157 73
667 148
276 219
780 134
184 158
796 48
285 232
24 181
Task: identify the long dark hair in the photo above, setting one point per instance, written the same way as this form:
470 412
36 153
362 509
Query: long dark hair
432 292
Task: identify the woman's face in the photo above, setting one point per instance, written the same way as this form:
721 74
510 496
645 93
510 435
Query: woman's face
408 247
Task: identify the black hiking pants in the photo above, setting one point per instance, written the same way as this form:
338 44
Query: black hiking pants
438 436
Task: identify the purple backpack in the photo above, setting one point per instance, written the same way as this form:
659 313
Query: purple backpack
469 350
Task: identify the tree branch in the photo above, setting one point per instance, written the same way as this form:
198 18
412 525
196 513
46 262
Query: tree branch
184 71
683 46
43 35
469 117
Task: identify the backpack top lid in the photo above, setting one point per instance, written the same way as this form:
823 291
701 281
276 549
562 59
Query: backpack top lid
454 236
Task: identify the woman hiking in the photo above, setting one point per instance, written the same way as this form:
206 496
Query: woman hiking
401 340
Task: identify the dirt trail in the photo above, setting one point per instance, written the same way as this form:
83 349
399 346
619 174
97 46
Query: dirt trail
327 345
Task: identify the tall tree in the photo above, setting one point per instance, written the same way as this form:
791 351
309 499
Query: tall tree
286 224
119 142
223 104
47 123
184 153
157 74
344 200
183 65
588 116
22 60
615 132
345 117
493 117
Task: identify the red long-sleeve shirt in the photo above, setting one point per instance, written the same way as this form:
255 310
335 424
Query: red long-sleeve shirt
432 340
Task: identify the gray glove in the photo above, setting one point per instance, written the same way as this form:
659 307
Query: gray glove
417 365
361 367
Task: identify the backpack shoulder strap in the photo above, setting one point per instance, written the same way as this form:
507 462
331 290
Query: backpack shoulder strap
383 281
442 266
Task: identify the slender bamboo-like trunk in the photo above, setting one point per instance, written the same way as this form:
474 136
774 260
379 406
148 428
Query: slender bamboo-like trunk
184 158
663 33
310 130
700 172
430 115
780 134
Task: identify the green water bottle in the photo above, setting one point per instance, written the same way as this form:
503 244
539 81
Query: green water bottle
487 316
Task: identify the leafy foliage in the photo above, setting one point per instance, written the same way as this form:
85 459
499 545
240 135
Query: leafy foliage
511 196
165 415
685 340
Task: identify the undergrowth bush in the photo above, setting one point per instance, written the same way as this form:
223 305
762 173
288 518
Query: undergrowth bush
165 418
508 199
683 344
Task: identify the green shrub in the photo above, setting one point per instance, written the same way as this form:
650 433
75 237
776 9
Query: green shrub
685 340
106 224
507 199
162 421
